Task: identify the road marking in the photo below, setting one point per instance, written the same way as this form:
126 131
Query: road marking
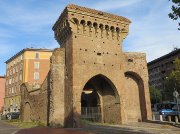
14 132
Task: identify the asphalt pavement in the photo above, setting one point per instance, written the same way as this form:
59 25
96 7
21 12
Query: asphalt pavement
134 128
5 128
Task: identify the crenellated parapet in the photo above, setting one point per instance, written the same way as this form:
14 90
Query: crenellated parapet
100 30
90 22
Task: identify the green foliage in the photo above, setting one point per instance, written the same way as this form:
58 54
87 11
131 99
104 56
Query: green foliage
175 14
155 95
172 82
17 122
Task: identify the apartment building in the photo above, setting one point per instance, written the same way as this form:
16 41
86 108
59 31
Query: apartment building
29 65
2 92
160 68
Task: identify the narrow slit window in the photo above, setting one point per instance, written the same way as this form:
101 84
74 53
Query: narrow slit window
99 54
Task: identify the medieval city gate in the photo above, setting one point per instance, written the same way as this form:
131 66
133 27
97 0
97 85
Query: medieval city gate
90 73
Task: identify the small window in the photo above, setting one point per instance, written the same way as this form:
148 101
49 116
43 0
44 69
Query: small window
36 65
9 81
16 68
12 90
21 57
36 76
20 77
37 55
13 70
12 80
16 78
21 66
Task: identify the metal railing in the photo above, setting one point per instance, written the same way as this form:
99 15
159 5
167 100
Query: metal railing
91 114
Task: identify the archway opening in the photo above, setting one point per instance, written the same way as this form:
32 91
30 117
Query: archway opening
135 96
27 113
100 101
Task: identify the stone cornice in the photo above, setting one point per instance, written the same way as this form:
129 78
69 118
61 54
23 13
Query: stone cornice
96 12
79 9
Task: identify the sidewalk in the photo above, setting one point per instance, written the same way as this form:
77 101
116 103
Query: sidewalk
140 127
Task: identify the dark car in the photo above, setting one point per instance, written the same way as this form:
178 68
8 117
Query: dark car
13 115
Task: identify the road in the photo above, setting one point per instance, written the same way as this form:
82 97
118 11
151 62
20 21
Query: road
7 129
136 128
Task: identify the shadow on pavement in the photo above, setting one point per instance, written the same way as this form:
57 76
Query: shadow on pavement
87 130
165 123
113 130
44 130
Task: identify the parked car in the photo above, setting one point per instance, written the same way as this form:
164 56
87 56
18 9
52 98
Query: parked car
175 110
165 108
4 117
13 115
166 112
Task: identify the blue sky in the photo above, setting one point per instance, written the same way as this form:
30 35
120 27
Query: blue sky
28 23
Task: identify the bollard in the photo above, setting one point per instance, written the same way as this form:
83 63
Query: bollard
154 117
161 118
169 118
176 119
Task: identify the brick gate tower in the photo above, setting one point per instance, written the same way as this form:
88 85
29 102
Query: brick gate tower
90 72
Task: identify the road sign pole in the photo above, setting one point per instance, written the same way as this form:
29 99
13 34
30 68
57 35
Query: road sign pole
176 95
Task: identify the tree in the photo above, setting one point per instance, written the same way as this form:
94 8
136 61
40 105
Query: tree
155 95
172 82
175 14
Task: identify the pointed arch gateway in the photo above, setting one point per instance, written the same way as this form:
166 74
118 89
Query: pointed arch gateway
100 100
135 96
27 112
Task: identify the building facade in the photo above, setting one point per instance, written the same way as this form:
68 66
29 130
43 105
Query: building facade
29 65
2 92
160 68
90 63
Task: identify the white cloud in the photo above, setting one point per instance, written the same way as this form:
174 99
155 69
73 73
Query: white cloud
155 34
113 4
5 33
50 44
26 18
6 48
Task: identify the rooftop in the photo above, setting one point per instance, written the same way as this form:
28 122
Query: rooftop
91 11
175 52
2 76
28 49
